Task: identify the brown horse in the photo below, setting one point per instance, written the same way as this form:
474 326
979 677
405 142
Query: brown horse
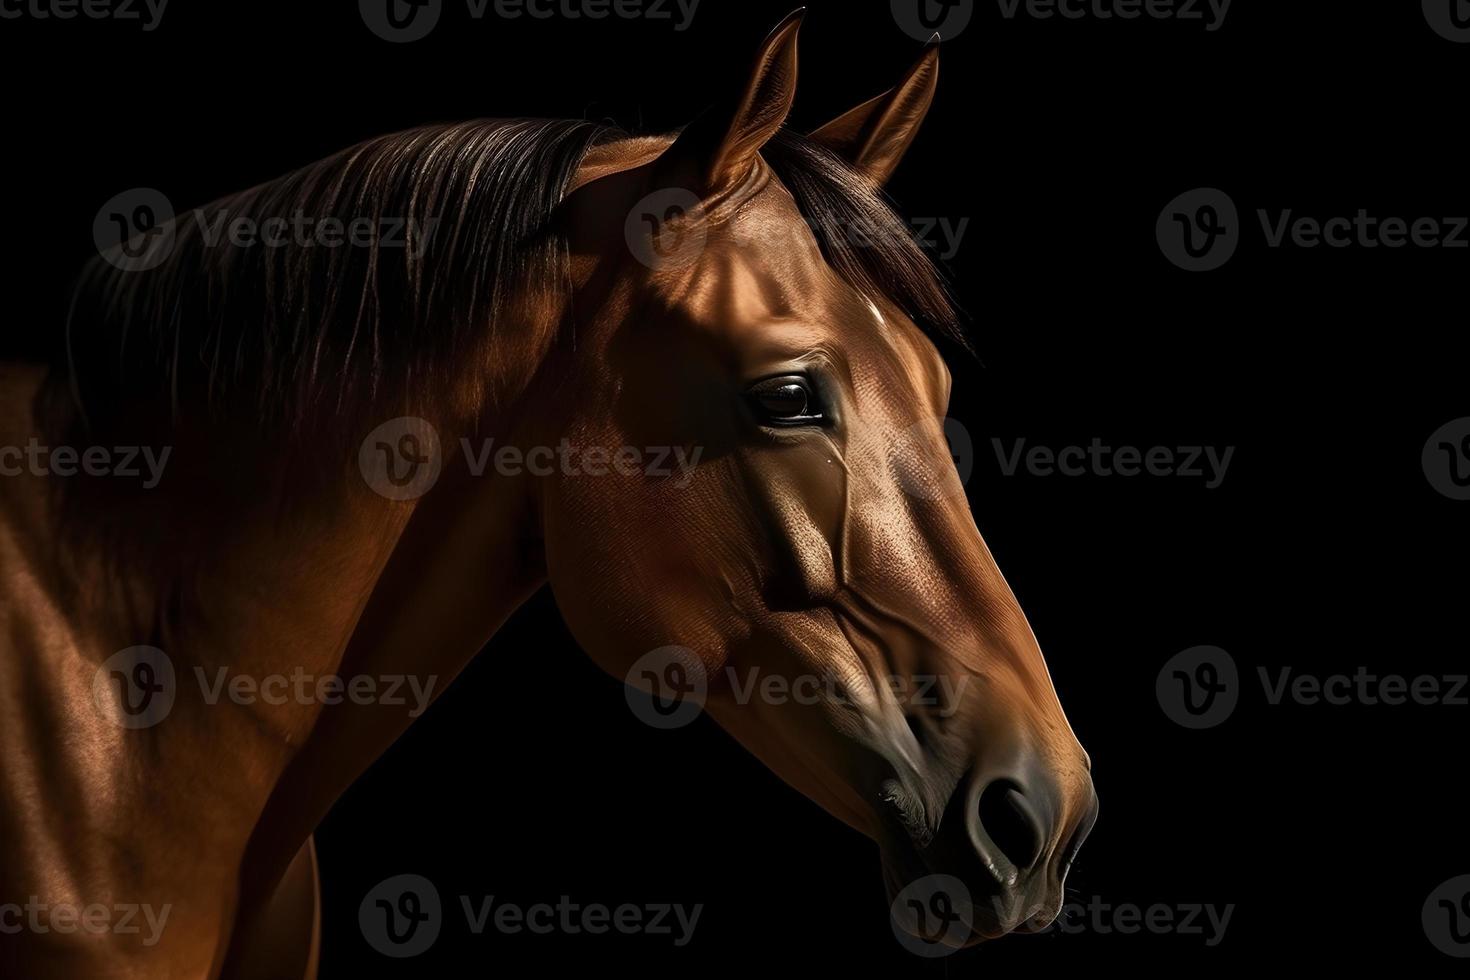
580 289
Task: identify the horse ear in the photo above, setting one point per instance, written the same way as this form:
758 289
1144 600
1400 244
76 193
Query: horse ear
874 136
724 143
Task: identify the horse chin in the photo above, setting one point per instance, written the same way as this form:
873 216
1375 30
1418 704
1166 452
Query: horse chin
990 916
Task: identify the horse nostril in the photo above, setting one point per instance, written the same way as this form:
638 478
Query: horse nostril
1010 822
1078 836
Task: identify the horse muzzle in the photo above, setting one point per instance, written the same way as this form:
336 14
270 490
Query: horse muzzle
996 862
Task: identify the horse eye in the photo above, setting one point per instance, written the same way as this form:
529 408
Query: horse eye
785 401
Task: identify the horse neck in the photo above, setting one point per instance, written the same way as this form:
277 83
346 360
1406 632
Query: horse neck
347 583
354 584
283 578
468 557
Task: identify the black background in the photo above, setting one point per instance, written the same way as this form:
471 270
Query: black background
1324 549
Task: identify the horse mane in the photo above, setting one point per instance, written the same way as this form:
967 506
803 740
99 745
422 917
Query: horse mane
294 336
284 334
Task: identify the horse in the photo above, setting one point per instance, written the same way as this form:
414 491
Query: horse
559 284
